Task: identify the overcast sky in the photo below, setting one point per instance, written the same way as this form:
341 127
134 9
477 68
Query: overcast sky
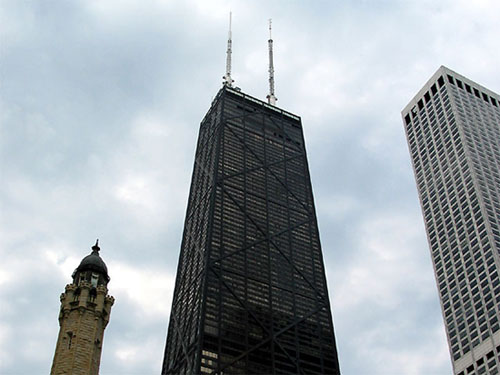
100 103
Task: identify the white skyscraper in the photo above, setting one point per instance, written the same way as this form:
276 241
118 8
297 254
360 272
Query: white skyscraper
453 131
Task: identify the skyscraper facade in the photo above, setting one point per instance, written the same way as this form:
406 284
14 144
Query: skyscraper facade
453 132
251 294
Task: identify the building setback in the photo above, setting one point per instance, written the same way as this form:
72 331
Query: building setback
251 294
453 132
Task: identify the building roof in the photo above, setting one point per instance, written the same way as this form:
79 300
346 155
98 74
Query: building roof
93 262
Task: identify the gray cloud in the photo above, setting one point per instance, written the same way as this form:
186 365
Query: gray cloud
100 105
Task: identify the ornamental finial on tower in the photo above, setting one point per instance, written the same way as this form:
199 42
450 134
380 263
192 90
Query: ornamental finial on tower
92 262
227 80
271 99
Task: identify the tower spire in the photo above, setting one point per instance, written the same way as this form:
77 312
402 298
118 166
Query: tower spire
271 99
227 80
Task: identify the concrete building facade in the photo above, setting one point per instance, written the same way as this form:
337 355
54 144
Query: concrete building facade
453 132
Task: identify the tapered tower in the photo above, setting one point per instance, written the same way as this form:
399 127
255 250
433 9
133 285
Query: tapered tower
85 310
251 294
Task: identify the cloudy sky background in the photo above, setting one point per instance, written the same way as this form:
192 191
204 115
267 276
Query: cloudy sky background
100 103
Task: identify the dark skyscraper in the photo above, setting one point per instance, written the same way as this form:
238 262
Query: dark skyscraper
453 131
251 294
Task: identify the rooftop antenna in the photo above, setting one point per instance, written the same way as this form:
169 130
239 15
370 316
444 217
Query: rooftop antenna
227 80
271 99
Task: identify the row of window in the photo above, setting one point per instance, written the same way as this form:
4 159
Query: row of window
472 90
489 363
427 97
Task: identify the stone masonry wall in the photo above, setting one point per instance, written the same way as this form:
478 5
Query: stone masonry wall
82 321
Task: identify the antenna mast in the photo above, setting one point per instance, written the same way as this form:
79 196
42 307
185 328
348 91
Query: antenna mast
227 80
271 99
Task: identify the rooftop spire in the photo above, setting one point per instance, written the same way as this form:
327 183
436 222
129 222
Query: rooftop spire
271 99
228 81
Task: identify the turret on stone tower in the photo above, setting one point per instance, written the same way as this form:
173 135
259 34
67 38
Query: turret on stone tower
85 311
